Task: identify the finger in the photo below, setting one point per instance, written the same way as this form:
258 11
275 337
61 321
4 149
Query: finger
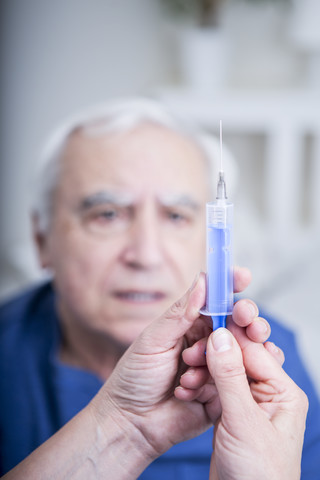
228 364
241 278
206 393
195 378
260 364
194 356
164 333
275 351
259 330
244 312
184 394
225 363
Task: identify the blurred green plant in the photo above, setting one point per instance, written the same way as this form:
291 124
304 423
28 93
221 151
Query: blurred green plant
204 13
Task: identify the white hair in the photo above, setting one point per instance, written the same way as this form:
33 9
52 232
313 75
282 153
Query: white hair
119 117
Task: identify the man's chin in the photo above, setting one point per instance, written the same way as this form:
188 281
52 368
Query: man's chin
128 328
129 321
142 313
124 337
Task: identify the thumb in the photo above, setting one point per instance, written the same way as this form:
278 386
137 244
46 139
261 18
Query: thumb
225 363
164 332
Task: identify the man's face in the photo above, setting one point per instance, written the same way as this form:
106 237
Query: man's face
128 230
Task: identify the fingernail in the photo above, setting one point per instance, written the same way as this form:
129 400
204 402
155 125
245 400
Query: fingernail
191 371
274 347
252 309
263 327
195 281
221 340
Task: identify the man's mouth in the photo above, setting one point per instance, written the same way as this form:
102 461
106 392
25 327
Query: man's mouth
139 296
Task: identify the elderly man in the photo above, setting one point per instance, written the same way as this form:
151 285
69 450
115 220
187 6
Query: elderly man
119 221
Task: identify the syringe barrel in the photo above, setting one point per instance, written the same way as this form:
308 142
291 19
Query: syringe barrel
219 299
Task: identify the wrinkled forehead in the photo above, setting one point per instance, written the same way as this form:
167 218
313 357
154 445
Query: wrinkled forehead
145 152
96 132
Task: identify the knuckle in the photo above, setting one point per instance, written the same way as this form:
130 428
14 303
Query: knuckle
304 401
230 370
176 310
301 400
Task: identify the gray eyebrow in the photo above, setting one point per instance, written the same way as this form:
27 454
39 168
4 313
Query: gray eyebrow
105 196
179 200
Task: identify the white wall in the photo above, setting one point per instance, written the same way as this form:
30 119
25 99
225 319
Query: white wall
58 57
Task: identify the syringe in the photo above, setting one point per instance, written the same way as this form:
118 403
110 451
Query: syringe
219 214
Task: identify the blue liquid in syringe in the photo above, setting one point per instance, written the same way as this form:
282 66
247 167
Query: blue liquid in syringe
219 214
219 300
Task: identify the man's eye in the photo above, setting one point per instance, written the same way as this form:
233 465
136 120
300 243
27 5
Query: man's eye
108 215
107 220
176 217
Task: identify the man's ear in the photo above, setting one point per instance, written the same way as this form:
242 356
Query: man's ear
41 241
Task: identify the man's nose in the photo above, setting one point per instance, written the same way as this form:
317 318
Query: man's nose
144 248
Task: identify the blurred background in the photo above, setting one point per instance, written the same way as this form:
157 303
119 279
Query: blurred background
254 64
